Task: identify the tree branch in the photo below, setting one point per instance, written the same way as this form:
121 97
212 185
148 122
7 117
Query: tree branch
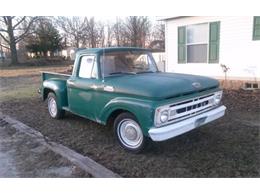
19 22
3 37
4 46
2 19
3 30
25 33
22 36
5 19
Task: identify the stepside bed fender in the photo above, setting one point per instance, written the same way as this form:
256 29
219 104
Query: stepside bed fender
59 87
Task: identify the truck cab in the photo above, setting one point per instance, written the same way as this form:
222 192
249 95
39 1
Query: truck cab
124 86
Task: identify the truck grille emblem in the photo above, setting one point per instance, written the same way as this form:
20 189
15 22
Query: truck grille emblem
196 85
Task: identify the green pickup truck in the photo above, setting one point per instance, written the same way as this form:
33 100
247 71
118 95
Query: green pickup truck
123 86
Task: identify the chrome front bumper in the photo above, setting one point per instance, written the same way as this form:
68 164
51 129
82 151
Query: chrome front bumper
175 129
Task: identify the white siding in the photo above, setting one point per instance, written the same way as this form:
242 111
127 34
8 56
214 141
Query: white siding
237 50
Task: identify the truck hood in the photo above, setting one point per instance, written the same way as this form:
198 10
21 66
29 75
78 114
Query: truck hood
160 85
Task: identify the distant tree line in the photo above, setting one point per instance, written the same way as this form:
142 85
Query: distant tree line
43 35
46 38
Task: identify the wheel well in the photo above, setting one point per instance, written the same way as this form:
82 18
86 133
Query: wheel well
46 91
114 114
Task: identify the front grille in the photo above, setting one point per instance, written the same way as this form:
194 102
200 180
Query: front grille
187 108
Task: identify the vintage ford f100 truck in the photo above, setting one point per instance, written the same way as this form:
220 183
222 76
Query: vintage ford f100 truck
124 86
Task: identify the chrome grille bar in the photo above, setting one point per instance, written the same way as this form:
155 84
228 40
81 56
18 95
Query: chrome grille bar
191 107
194 101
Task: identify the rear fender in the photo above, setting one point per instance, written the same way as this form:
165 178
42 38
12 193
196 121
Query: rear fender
59 87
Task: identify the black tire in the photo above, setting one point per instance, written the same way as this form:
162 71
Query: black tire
51 99
130 119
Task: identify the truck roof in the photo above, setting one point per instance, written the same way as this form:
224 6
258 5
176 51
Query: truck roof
110 49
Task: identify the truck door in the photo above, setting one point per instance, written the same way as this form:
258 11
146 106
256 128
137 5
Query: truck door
81 88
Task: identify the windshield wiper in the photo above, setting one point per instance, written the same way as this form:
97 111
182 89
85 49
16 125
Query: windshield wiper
120 72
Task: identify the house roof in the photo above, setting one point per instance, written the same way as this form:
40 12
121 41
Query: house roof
109 49
174 17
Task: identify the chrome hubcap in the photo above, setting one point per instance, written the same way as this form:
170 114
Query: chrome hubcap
130 133
52 106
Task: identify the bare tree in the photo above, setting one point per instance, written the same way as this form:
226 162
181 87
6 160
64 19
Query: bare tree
105 34
1 49
74 29
13 30
159 31
157 40
109 35
92 33
95 33
102 35
137 30
119 32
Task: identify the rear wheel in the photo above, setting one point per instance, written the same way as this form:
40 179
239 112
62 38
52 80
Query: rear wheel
53 109
129 133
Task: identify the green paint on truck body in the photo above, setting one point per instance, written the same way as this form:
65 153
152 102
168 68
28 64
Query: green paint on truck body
139 94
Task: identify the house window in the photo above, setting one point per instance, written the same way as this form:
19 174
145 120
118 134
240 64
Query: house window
197 43
256 28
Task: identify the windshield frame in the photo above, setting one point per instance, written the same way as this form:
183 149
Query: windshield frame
153 68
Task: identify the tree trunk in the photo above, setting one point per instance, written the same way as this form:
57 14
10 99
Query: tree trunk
14 58
77 42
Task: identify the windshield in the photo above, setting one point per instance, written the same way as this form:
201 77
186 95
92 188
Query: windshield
127 62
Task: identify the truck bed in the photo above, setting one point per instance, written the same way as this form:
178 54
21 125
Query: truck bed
54 75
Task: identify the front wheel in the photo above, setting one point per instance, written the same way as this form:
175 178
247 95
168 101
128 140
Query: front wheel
129 133
53 109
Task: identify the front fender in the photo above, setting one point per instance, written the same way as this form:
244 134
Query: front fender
141 109
60 89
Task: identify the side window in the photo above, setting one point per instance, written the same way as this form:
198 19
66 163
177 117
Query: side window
88 67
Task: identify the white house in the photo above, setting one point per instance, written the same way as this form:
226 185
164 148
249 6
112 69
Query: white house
199 45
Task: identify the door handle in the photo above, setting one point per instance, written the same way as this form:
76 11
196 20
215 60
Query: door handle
109 88
96 86
93 86
71 83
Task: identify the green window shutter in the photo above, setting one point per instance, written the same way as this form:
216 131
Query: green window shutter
214 29
256 29
182 44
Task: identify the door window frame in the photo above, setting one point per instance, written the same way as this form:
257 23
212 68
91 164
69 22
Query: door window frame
95 65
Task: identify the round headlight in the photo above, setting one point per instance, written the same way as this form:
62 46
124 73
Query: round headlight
217 98
164 116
